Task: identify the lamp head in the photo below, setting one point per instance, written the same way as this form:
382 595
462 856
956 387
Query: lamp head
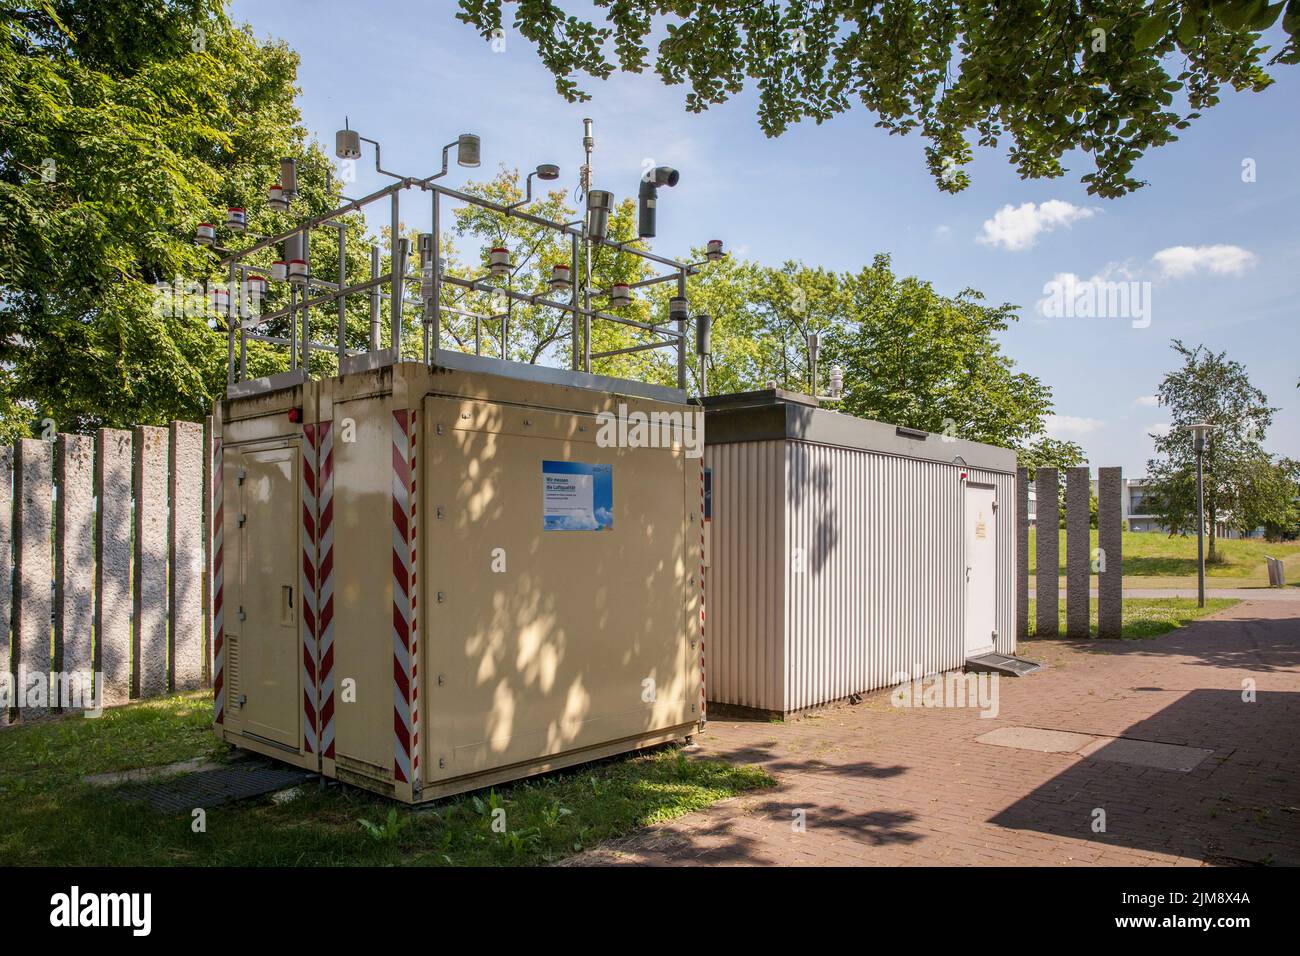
468 150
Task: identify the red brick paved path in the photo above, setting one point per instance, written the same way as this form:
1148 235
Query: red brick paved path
888 786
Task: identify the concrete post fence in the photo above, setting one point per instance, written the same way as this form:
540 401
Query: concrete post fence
1078 550
1047 590
103 566
1110 541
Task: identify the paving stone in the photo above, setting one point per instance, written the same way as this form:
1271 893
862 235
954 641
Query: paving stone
1036 738
1147 753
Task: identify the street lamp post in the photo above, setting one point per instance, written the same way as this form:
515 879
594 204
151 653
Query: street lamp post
1199 431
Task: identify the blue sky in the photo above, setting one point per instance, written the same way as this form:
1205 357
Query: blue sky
1222 255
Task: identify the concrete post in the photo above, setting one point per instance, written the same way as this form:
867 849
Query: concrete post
33 603
1047 556
1022 553
74 558
113 563
1078 551
150 594
1110 539
185 488
6 567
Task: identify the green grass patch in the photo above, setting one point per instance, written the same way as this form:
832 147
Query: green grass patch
51 817
1145 617
1151 554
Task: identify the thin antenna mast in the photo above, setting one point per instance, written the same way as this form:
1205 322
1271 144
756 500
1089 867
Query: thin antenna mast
588 144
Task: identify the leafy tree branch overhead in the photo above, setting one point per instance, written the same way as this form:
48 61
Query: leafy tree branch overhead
1041 77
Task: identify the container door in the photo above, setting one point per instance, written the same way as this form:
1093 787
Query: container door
270 685
981 569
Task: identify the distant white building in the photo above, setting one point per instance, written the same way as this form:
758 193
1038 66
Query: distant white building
1136 510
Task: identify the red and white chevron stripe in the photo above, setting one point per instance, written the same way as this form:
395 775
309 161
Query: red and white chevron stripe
405 695
702 694
325 585
307 596
218 586
415 596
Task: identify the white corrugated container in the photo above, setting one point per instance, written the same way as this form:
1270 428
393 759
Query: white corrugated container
837 552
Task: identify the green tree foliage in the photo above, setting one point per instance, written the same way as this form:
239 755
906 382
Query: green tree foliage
538 333
1045 77
1046 452
1211 388
914 357
1271 498
761 318
910 355
123 124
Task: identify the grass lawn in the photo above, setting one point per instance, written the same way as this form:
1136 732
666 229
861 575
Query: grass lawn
1155 560
51 817
1147 617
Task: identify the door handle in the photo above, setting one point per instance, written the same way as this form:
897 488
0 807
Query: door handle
286 605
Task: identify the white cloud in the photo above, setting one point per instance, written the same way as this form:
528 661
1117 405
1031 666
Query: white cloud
1159 429
1147 401
1017 227
1064 426
942 232
1179 261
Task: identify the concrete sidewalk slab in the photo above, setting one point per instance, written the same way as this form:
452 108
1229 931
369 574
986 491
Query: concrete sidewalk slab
1147 753
1035 738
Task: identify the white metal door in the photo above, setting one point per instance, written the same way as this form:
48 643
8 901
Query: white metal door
981 569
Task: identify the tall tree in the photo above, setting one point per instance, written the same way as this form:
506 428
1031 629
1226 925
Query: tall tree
124 124
1211 388
1048 76
916 358
910 356
1271 498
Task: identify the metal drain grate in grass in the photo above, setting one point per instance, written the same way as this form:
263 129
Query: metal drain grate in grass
212 788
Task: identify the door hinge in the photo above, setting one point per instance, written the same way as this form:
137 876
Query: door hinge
439 428
441 597
241 613
242 519
995 506
240 476
439 511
